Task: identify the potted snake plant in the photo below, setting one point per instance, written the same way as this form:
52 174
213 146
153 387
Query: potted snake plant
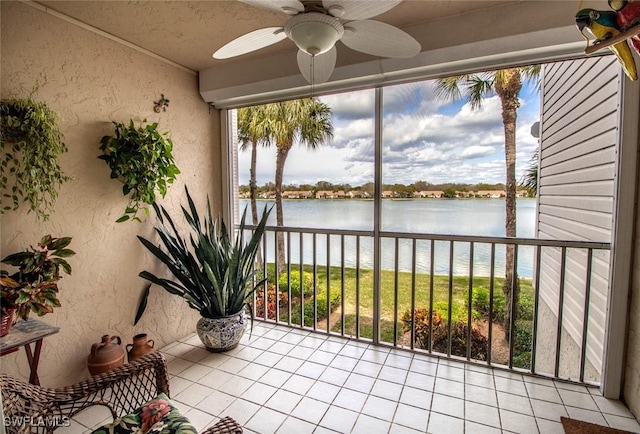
213 271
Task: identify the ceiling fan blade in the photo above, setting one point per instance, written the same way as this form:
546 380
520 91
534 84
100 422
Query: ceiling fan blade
358 9
322 64
252 41
289 7
379 39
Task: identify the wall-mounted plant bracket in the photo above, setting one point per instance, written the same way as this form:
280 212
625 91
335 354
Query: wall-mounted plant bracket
161 105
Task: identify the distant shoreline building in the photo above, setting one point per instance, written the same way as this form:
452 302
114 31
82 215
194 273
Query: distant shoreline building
328 194
386 194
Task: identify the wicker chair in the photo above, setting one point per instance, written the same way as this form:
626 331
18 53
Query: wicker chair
28 408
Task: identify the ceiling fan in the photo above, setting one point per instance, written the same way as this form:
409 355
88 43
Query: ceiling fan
316 26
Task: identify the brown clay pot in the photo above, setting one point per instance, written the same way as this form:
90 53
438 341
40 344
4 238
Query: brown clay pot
105 355
141 346
5 322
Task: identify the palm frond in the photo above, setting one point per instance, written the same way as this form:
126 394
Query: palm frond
478 87
472 87
448 88
529 180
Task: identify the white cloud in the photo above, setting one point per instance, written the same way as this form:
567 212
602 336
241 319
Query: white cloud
423 139
476 151
351 105
353 134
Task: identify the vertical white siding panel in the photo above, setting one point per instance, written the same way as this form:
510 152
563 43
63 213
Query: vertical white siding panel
577 173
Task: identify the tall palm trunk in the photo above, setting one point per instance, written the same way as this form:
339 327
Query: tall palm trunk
508 91
281 158
507 84
253 185
306 121
253 193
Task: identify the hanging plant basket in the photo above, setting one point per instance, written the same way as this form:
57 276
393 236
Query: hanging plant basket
141 158
30 147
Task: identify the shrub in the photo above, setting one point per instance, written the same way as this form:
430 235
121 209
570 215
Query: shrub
498 305
294 278
480 300
526 306
459 341
271 274
321 303
458 311
522 360
440 335
523 337
271 302
481 304
421 324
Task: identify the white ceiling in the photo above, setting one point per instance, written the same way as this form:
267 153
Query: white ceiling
460 34
188 32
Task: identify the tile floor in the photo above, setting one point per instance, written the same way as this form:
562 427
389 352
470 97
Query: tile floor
285 380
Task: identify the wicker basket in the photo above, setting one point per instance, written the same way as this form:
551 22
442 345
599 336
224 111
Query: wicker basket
6 320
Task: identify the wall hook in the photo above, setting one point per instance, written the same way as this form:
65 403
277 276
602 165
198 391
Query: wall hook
161 104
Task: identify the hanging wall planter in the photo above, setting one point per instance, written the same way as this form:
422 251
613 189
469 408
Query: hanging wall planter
141 159
30 145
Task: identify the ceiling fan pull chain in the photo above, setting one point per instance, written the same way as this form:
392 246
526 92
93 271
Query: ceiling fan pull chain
313 80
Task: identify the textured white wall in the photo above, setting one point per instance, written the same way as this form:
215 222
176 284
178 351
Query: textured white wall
90 81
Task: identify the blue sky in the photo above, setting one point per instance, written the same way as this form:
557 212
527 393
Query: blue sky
423 139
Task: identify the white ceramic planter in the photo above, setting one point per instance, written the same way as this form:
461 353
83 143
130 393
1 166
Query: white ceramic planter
222 334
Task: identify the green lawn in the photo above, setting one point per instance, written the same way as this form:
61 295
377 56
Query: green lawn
392 308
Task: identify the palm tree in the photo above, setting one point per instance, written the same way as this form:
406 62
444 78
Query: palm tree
306 121
506 83
529 179
252 131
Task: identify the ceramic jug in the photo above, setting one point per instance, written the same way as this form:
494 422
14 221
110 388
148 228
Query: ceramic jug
141 346
105 355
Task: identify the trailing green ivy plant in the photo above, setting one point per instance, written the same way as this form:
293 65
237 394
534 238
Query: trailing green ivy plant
141 158
30 146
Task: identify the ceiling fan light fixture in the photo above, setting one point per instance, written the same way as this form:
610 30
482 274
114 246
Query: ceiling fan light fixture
314 33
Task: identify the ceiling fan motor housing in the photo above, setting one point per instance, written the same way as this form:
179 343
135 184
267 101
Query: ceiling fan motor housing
313 32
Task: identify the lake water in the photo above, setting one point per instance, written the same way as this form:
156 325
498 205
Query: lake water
483 217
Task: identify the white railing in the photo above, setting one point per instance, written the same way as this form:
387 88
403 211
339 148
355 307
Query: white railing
437 294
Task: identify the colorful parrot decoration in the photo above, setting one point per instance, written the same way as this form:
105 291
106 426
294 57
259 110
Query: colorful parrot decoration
628 15
604 25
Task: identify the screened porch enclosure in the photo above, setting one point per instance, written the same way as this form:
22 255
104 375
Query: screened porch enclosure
377 280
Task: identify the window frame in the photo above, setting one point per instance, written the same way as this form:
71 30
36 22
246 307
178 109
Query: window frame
615 344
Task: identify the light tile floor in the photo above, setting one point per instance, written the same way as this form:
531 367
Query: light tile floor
283 380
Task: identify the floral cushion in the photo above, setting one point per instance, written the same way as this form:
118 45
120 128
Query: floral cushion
158 416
